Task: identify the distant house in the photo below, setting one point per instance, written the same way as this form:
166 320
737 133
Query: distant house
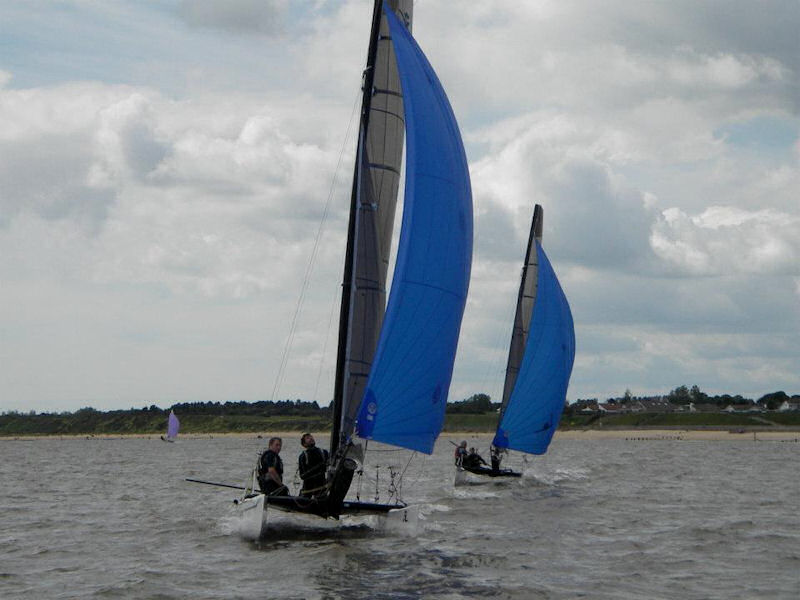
654 405
586 407
611 409
788 406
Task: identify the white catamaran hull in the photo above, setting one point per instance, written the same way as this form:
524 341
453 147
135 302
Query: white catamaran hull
257 518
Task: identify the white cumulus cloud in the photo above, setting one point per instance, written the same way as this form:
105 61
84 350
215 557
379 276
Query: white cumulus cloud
726 240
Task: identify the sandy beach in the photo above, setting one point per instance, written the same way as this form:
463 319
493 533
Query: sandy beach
587 434
683 434
657 435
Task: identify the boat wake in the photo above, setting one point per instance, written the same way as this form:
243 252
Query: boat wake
475 491
555 477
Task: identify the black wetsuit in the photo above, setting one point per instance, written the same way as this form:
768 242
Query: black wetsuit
473 461
311 464
265 482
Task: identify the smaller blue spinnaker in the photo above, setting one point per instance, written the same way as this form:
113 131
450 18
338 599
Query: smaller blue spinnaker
537 400
407 389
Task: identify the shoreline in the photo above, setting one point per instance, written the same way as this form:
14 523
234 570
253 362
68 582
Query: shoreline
716 435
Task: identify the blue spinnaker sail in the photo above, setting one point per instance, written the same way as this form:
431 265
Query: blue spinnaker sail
536 404
407 389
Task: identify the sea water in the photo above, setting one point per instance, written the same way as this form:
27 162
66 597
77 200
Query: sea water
660 519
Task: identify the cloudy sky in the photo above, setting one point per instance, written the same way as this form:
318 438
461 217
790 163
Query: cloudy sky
166 168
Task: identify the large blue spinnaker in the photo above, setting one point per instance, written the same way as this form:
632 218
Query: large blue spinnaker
407 389
537 400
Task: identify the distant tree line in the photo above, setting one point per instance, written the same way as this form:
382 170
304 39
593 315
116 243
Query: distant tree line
262 408
477 404
684 395
195 416
300 414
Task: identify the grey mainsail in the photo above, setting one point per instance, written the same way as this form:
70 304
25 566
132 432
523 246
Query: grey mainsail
525 301
375 186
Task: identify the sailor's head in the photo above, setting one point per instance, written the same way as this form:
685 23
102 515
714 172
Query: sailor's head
463 444
307 440
275 444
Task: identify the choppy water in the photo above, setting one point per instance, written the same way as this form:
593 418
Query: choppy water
592 519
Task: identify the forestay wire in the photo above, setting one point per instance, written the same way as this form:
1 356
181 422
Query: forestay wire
334 303
496 368
310 267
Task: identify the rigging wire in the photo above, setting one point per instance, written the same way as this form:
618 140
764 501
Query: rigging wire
309 268
325 345
395 483
495 370
398 489
420 473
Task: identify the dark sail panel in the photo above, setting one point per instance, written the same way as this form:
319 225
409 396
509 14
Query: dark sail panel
525 302
386 132
378 176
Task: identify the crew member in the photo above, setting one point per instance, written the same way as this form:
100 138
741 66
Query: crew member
460 453
497 456
312 463
473 460
270 470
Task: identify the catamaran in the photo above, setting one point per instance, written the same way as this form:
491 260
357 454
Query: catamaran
540 359
395 359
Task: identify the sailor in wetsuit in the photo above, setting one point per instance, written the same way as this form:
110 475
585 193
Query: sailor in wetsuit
460 453
270 470
497 456
473 460
312 463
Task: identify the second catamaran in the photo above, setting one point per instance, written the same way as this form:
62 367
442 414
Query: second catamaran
540 359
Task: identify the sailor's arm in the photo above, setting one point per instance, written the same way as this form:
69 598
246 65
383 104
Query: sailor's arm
273 474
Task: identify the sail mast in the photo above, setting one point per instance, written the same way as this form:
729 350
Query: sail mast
347 279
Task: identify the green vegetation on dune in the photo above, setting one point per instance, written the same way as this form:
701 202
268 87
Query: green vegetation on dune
252 423
153 420
787 419
476 414
478 423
